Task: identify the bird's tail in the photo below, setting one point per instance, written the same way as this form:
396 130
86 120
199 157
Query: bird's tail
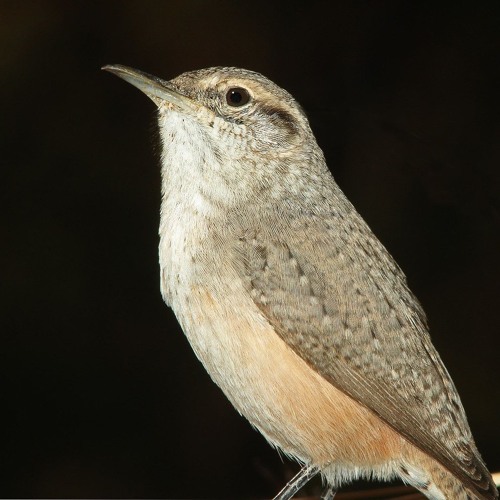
437 483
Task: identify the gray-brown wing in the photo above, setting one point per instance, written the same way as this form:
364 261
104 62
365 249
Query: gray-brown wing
334 294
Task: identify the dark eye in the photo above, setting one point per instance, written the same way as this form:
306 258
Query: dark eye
237 96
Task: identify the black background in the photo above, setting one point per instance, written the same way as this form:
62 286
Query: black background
101 394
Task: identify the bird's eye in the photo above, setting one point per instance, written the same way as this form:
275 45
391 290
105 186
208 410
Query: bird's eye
237 96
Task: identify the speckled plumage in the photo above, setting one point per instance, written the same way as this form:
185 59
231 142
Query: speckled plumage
295 308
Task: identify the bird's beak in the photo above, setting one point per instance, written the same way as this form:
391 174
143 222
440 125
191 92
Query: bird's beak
158 90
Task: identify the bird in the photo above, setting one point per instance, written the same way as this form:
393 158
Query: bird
294 307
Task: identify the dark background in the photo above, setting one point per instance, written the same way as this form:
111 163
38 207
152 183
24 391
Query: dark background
101 393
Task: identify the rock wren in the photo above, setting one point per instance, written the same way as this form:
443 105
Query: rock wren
296 310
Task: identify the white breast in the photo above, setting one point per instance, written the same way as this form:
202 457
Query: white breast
183 209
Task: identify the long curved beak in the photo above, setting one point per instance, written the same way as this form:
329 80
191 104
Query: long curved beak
158 90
